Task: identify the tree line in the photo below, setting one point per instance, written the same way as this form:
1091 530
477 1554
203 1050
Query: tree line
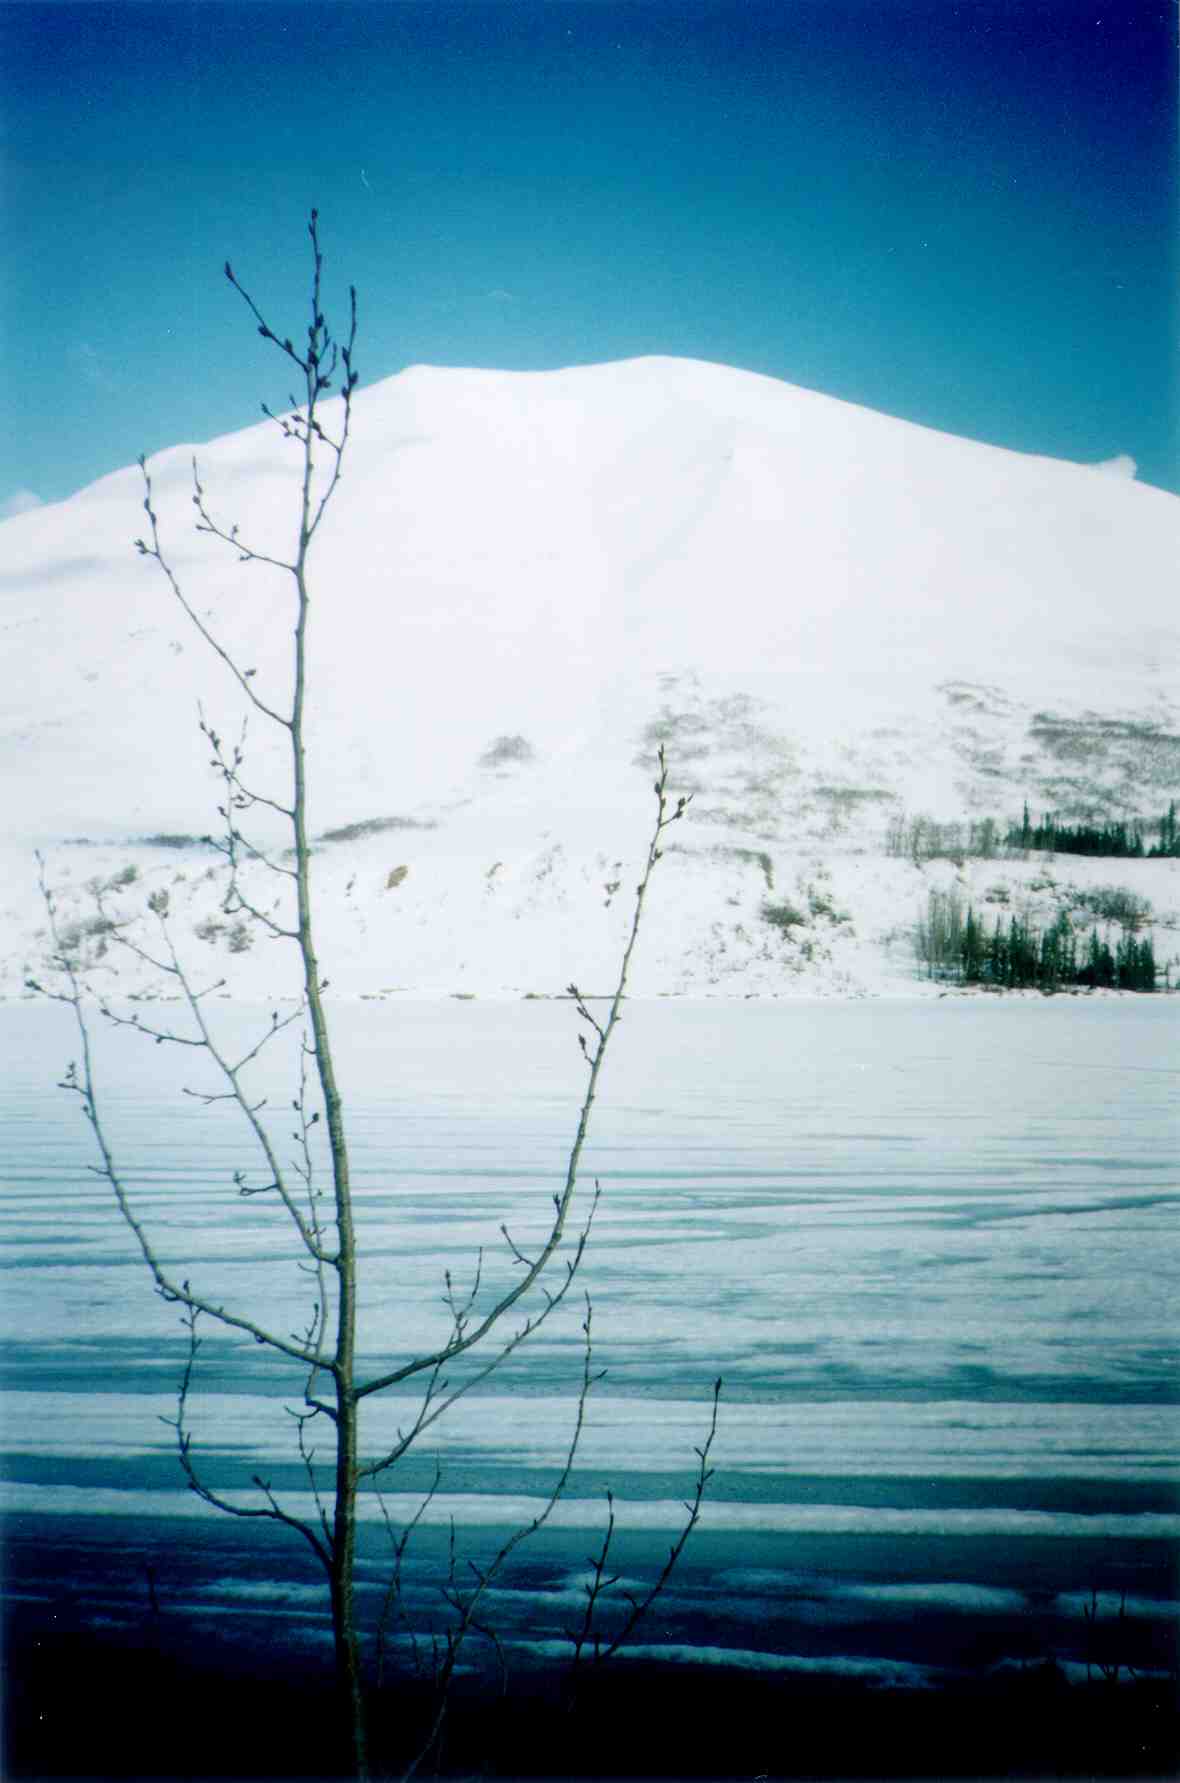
954 943
1119 839
923 839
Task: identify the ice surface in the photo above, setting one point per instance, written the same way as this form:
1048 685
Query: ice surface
938 1311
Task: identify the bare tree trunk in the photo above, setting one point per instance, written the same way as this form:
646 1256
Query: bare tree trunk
349 1673
349 1677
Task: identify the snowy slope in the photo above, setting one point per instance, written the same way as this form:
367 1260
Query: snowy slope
830 617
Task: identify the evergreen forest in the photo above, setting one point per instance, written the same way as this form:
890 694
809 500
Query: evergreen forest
954 944
1118 839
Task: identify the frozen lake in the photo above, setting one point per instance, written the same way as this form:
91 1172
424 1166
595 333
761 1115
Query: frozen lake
931 1247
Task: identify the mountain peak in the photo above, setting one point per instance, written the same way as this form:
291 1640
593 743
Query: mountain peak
783 584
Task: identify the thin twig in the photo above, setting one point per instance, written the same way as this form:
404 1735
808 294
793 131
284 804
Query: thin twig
466 1606
393 1593
272 1511
640 1606
596 1057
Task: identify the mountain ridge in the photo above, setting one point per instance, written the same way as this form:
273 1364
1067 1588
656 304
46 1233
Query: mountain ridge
529 580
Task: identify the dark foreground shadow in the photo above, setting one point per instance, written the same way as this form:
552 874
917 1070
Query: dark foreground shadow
141 1704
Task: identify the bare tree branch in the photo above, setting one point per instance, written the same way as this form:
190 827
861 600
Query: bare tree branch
81 1084
273 1511
393 1594
153 550
429 1412
596 1055
641 1605
465 1606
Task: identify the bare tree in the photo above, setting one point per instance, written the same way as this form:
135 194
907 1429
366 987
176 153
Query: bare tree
938 935
486 1325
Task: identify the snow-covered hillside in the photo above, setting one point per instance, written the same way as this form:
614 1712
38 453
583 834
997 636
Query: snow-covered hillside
834 621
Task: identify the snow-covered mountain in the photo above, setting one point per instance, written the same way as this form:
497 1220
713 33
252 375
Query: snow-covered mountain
835 621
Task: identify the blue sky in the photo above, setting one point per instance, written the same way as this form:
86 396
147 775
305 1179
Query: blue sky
959 211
